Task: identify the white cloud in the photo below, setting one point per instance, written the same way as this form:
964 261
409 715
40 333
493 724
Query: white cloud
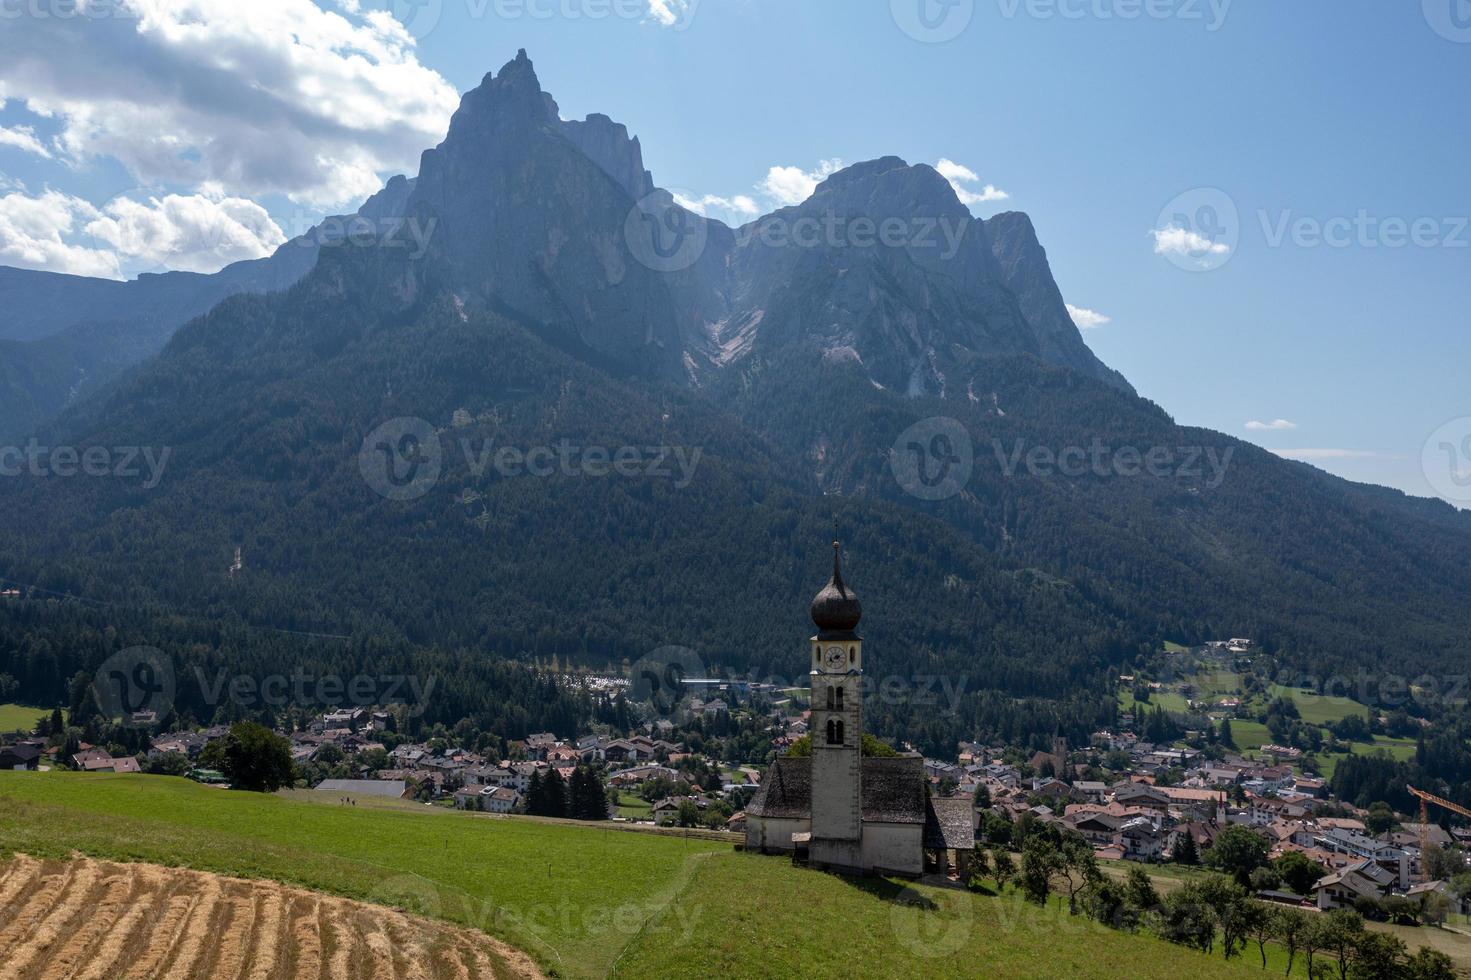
793 185
959 176
1276 425
61 233
671 13
194 234
33 233
953 171
23 138
1315 454
270 96
1087 319
740 207
1175 240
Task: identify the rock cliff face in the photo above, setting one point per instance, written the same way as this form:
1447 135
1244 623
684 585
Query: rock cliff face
531 226
1027 273
608 144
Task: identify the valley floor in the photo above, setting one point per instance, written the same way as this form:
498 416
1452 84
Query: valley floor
582 901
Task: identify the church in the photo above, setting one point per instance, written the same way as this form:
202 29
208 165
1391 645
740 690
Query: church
836 809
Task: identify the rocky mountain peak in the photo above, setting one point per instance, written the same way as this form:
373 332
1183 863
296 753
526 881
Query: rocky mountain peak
608 144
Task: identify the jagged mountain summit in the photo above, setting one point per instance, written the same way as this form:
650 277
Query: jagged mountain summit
539 217
890 267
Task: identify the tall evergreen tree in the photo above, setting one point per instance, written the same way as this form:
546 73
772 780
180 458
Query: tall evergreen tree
589 800
535 796
554 788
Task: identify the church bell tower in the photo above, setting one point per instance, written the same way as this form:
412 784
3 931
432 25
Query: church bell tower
836 726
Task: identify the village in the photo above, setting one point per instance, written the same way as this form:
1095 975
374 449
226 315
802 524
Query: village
1131 799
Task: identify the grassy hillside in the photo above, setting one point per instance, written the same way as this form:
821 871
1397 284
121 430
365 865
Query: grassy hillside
1319 709
584 902
572 898
19 717
815 925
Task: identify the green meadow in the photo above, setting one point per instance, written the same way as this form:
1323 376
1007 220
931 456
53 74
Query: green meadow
631 806
570 897
20 717
1318 709
583 901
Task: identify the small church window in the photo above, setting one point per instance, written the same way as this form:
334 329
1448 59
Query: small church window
852 654
840 698
840 739
832 702
834 732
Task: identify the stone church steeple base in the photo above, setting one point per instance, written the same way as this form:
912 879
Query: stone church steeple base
844 856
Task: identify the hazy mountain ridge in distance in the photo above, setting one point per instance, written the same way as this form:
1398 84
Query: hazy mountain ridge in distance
528 322
64 335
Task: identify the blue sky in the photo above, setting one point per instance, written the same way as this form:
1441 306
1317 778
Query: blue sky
1113 123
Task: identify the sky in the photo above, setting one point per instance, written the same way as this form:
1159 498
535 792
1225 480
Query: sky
1259 211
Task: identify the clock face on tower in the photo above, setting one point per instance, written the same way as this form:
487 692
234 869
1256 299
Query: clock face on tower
835 659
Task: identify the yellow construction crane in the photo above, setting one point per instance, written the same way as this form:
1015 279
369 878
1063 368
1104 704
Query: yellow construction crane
1425 800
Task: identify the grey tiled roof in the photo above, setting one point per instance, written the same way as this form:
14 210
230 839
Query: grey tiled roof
948 826
786 791
893 791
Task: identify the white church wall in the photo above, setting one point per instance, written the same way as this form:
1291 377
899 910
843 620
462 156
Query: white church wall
772 833
894 847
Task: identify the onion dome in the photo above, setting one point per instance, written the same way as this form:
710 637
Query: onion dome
835 610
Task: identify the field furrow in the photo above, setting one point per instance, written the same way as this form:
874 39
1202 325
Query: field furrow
93 920
147 902
103 908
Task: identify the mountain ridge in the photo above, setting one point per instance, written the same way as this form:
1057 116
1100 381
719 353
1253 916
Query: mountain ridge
844 356
64 344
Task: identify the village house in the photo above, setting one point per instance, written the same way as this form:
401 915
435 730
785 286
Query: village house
1141 794
633 776
387 788
489 799
1097 828
350 719
666 811
93 760
184 743
1342 888
1263 811
1141 839
538 743
20 758
1394 860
